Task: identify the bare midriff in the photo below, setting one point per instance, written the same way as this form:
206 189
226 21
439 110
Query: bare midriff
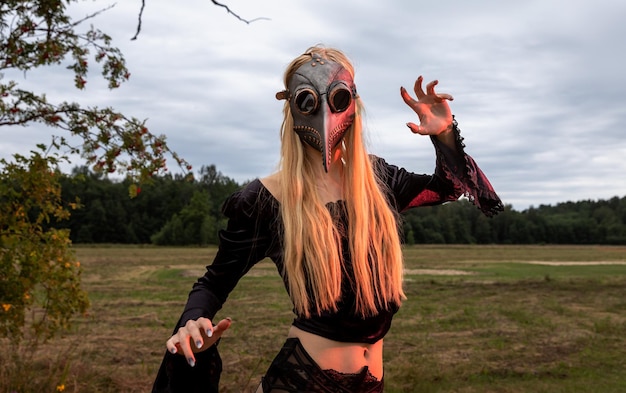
340 356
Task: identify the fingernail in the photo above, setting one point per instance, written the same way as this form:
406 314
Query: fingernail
191 362
173 350
199 344
209 333
229 319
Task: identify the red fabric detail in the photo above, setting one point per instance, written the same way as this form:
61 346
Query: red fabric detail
425 198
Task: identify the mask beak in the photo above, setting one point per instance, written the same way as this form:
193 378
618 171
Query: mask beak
324 132
327 148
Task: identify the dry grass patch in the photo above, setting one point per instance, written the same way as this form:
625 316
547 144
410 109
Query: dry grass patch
478 319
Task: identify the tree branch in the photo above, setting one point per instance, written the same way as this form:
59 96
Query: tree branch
143 5
235 15
228 10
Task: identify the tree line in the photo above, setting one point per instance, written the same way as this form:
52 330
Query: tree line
167 210
173 210
581 222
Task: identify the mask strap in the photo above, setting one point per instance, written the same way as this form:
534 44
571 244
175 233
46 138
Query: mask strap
282 95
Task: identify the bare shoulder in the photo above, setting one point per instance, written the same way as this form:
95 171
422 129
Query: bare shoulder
272 183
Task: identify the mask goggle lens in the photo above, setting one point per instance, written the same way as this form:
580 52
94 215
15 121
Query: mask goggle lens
306 101
340 99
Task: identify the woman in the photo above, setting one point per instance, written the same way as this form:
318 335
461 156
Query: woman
329 220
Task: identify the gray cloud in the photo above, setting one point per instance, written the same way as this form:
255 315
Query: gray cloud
538 86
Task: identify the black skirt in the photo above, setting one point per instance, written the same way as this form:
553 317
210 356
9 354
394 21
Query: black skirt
294 371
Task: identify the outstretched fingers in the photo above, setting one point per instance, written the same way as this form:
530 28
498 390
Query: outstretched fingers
415 128
419 92
424 97
414 104
221 327
430 107
430 89
407 97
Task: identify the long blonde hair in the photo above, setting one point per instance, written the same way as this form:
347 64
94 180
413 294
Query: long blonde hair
312 242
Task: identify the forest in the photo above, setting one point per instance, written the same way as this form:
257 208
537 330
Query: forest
173 210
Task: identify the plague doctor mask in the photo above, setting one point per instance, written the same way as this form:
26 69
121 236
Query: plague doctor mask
321 96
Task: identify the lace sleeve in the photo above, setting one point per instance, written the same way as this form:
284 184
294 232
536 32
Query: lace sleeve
466 177
456 174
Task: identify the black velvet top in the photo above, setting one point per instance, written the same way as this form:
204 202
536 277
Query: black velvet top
254 233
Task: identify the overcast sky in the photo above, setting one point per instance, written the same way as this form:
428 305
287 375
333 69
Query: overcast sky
539 86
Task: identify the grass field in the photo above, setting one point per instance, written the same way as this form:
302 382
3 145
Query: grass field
478 319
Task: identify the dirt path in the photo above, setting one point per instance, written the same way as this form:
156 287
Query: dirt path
456 272
576 263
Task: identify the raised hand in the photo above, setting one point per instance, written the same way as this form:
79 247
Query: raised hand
431 108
